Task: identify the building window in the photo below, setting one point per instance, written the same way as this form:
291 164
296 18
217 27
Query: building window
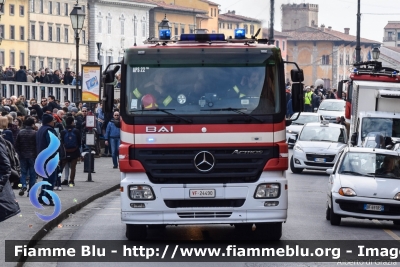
58 8
66 35
83 37
340 59
32 6
50 7
41 63
58 34
2 31
12 58
246 28
176 31
277 43
325 60
50 33
40 6
283 45
237 26
22 33
12 10
58 65
12 32
33 64
84 9
33 32
251 29
1 57
22 58
21 10
41 32
182 29
99 25
122 27
2 9
143 28
220 25
50 64
109 26
66 9
109 59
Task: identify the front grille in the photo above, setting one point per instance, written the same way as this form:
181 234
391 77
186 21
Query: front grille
314 164
358 207
177 165
205 203
312 157
209 215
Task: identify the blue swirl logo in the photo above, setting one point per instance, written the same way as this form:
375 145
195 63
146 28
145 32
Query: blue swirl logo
45 165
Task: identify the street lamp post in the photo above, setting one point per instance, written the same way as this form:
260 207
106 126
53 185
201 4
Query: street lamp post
2 2
98 52
77 19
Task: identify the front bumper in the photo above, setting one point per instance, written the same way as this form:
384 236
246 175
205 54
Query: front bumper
354 207
300 161
215 210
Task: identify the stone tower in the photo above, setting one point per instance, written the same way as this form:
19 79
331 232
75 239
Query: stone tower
295 16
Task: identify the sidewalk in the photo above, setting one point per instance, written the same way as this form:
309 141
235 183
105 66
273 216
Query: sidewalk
27 226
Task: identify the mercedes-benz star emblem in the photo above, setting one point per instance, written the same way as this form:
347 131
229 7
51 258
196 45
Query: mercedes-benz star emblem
204 161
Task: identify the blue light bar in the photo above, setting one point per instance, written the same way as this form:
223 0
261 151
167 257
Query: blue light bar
240 34
203 37
165 34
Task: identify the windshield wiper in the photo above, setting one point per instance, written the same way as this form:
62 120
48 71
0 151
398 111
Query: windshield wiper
236 110
356 173
162 110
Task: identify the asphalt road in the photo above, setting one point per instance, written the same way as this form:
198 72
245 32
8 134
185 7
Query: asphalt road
100 220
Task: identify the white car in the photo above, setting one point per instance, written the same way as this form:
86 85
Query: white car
365 184
318 146
305 117
330 109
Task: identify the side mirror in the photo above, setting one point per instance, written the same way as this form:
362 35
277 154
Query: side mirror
329 171
291 140
108 98
297 76
297 97
353 140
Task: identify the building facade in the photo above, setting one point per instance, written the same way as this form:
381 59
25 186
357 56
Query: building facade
296 16
14 27
116 25
326 54
230 21
391 35
51 37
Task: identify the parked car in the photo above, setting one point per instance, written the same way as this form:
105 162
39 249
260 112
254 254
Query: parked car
330 109
364 184
318 146
305 117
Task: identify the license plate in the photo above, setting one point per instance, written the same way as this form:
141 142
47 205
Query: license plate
374 207
320 160
199 193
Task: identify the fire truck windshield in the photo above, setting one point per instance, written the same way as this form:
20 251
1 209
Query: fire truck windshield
202 90
387 126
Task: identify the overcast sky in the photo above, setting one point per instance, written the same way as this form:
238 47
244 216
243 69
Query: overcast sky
339 14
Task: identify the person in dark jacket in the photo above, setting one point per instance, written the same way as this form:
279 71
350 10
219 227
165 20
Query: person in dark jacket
72 153
43 142
25 145
113 134
35 106
20 76
51 104
5 133
55 79
8 204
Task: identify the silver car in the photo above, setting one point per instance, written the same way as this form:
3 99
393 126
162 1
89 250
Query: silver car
294 129
318 146
330 109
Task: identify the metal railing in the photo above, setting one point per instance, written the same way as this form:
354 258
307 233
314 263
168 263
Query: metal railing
41 90
389 39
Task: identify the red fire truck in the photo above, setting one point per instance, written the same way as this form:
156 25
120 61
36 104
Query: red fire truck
372 101
203 133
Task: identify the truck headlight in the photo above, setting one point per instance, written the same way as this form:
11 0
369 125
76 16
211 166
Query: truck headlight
141 192
298 148
267 191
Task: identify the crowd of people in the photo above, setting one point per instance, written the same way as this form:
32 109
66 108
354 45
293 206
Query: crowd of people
44 75
26 127
313 97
